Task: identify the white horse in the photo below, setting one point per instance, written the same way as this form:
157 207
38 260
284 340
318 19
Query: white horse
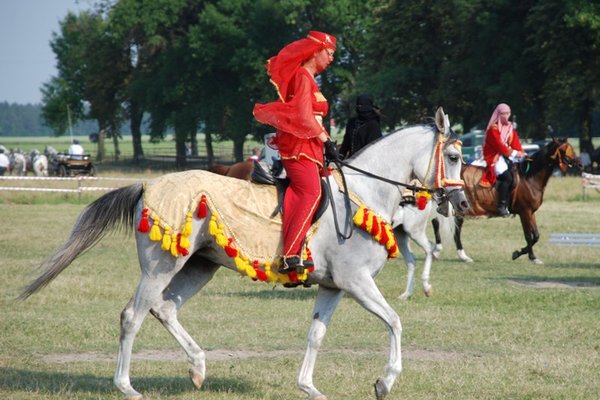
341 265
18 163
39 163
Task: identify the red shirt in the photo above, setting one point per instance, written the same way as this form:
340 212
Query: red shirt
494 146
297 127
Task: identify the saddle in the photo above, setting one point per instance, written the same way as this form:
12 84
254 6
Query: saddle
261 176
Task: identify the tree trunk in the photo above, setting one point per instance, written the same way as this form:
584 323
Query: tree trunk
180 158
238 149
115 139
136 115
210 153
100 149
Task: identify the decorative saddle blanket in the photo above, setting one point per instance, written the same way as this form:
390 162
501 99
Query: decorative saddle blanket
243 209
241 220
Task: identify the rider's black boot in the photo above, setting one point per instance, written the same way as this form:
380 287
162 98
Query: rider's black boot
503 184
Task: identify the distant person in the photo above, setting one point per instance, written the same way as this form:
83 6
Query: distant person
75 149
362 129
501 146
4 162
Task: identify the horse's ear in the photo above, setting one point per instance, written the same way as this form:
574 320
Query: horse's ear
442 122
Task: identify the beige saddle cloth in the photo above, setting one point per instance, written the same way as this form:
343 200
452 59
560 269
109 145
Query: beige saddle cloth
242 208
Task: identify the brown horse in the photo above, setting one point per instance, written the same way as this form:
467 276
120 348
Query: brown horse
242 170
531 177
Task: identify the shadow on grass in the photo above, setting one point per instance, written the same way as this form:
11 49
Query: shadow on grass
544 281
299 293
21 380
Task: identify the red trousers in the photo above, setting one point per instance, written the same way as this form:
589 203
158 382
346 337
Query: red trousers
300 203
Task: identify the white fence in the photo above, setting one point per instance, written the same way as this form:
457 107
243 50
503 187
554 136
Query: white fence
76 184
589 181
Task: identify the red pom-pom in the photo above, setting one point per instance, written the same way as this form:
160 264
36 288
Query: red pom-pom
144 225
261 275
202 211
392 250
230 250
181 250
421 202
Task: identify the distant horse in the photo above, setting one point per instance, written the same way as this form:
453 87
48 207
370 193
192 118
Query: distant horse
39 163
18 163
169 279
242 170
531 178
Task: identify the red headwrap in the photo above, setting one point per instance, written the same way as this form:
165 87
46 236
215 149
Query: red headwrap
282 67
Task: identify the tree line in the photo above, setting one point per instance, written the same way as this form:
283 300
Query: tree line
199 64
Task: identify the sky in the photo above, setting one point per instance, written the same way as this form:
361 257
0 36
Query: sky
26 59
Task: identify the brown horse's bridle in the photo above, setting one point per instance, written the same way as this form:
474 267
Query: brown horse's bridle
565 155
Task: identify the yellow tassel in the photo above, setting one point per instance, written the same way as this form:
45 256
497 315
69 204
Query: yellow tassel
391 238
239 263
184 242
166 240
155 231
187 228
221 240
174 251
251 272
213 228
370 221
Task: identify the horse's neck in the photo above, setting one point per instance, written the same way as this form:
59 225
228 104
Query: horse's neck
398 158
540 175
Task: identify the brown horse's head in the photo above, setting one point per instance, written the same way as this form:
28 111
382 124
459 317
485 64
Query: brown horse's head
564 155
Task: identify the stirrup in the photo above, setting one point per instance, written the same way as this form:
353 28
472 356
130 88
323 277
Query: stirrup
295 263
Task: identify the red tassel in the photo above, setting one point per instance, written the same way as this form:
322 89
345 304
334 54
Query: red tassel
181 250
293 276
144 225
260 274
392 250
230 250
421 202
202 207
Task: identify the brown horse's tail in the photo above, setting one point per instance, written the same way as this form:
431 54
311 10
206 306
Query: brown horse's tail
113 210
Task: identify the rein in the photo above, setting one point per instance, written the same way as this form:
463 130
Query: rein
440 181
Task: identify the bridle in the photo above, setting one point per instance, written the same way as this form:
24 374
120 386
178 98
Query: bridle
436 170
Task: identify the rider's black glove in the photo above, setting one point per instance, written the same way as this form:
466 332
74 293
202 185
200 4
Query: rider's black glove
331 152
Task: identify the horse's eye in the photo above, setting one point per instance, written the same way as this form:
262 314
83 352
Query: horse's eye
453 158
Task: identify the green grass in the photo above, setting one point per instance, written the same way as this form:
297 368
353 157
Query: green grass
490 330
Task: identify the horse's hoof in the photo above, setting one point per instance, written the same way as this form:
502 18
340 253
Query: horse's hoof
197 378
319 397
516 255
537 261
134 397
380 390
428 292
462 256
404 297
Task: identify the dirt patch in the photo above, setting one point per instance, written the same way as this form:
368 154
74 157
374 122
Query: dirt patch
221 355
557 284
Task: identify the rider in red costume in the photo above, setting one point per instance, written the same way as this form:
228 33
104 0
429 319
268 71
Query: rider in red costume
501 144
298 117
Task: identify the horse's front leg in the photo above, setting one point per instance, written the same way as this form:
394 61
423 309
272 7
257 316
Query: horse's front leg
367 294
532 235
325 304
409 260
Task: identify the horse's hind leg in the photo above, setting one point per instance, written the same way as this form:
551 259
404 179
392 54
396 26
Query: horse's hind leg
147 295
365 292
532 236
409 260
421 239
195 275
325 304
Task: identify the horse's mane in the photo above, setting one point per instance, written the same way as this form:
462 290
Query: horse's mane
397 131
538 160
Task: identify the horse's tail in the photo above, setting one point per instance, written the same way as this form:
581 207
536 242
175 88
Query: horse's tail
113 210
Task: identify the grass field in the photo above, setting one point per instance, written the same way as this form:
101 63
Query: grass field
494 329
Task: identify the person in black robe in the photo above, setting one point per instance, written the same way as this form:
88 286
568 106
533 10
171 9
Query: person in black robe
362 129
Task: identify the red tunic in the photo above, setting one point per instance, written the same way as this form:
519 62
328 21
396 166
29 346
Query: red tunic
296 120
494 147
